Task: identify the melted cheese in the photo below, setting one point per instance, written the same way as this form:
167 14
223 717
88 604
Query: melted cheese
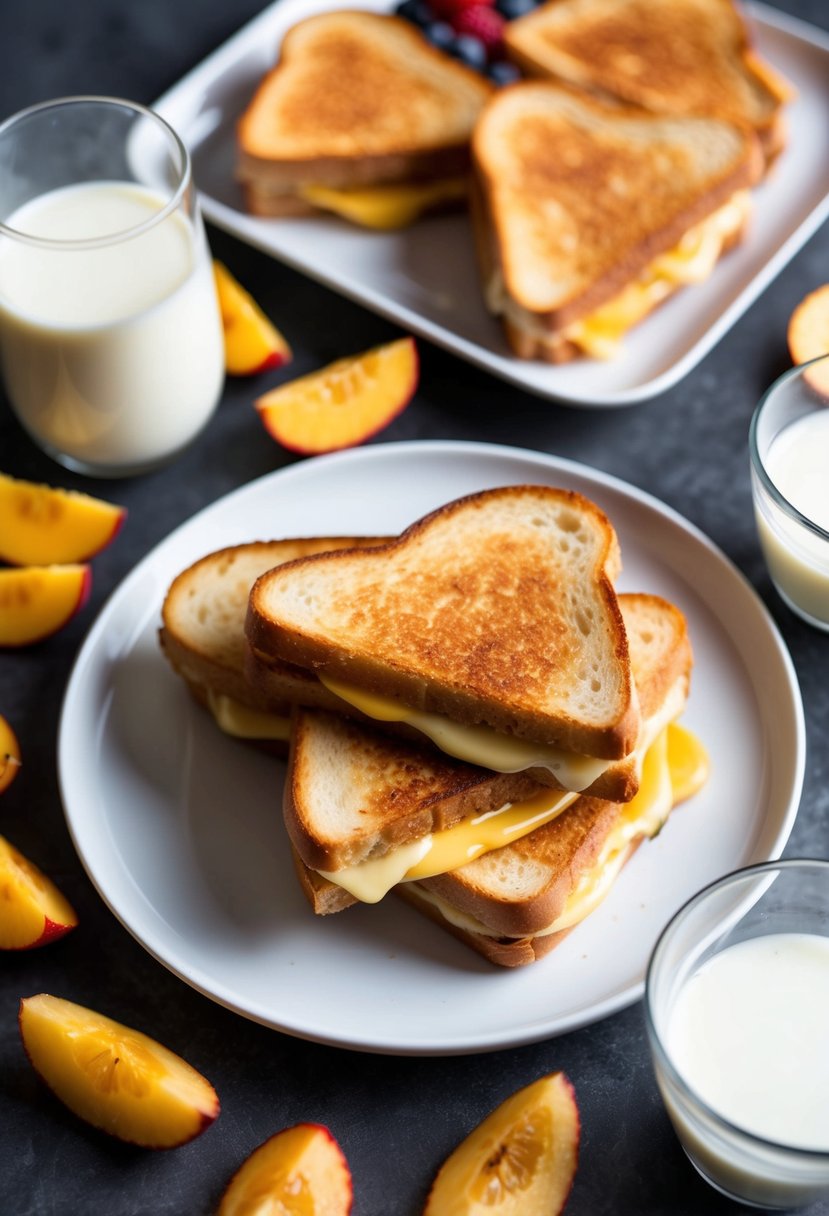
692 260
242 722
450 849
675 767
385 207
479 745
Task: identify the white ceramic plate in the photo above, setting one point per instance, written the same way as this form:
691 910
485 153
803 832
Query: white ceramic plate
180 828
425 278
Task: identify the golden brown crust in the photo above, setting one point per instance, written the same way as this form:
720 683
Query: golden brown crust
511 598
324 897
359 98
693 57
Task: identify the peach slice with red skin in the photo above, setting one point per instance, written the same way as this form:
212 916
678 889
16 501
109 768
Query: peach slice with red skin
808 337
342 404
36 601
300 1171
521 1161
252 342
33 912
115 1078
9 755
44 526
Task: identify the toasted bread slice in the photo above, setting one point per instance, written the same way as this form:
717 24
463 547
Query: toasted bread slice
666 56
203 616
353 795
497 609
357 98
578 201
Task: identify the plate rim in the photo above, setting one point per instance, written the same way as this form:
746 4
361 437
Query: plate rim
502 365
530 1031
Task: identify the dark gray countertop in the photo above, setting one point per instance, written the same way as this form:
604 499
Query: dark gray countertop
396 1118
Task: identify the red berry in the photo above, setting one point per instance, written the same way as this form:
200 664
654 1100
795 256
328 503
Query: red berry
481 22
449 10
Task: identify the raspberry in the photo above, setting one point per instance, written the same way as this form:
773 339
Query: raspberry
481 22
449 10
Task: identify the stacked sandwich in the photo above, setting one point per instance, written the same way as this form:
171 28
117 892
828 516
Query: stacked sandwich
620 173
476 720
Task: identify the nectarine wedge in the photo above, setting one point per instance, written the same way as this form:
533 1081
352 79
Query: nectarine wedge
300 1171
808 337
36 601
32 910
520 1161
115 1078
9 755
252 342
42 526
342 404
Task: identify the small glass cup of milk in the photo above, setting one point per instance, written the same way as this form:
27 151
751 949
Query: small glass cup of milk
789 447
110 334
737 1008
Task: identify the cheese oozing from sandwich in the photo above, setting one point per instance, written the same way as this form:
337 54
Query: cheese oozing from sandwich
441 852
675 768
385 207
481 745
243 722
692 260
447 850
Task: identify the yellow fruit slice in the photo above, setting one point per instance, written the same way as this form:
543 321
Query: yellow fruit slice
342 404
300 1171
115 1078
252 342
38 600
32 910
808 337
42 526
9 755
520 1161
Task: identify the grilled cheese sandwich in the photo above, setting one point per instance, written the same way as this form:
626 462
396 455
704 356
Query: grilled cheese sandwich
361 118
589 215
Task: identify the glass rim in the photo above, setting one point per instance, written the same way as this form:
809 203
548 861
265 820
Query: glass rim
759 465
657 1044
112 238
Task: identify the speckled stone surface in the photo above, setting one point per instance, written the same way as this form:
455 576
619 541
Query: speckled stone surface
397 1118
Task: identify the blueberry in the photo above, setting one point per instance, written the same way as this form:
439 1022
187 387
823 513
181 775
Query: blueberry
440 34
503 72
470 50
418 12
510 9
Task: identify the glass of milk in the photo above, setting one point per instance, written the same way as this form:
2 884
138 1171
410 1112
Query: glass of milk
110 335
737 1008
789 447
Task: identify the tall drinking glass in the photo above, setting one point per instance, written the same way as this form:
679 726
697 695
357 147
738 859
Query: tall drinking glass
110 334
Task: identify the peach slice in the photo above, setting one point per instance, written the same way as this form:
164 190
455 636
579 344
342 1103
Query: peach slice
115 1078
9 755
38 600
300 1171
808 337
342 404
42 526
252 342
32 910
520 1161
